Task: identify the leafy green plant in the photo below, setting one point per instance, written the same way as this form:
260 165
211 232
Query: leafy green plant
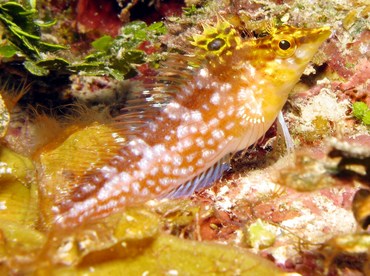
189 11
23 32
361 111
115 57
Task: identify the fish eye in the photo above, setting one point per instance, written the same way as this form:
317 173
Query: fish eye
284 44
216 44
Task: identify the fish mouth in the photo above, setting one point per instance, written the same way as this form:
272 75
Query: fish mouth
322 34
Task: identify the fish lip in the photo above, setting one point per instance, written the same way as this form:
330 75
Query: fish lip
325 33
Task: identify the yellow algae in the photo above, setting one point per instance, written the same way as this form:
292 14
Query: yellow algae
261 234
178 213
18 195
168 255
18 209
137 223
321 129
20 238
4 118
19 246
104 239
15 166
350 19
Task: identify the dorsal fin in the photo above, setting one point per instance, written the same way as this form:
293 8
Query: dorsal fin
202 180
144 103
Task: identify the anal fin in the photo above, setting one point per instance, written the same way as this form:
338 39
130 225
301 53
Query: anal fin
203 180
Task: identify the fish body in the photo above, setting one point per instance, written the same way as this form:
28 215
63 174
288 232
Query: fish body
228 95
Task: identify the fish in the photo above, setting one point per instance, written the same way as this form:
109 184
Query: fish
177 134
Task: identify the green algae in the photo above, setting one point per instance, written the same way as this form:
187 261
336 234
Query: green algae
361 111
115 57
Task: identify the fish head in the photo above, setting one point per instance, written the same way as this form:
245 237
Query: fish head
283 54
277 60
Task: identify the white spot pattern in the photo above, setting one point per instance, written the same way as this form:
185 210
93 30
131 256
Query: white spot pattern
215 98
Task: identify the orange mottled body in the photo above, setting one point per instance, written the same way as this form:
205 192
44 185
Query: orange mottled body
226 103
